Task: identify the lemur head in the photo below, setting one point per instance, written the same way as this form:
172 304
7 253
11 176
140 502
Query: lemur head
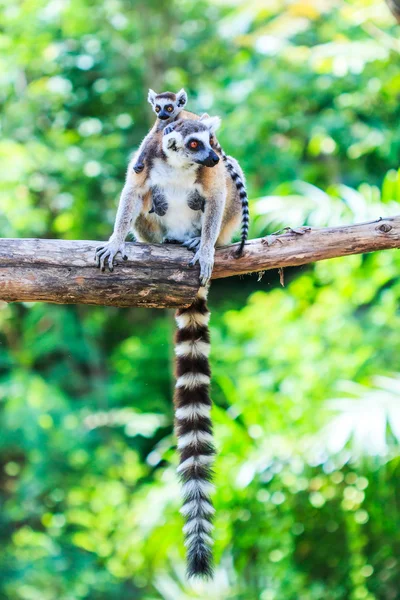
167 105
190 142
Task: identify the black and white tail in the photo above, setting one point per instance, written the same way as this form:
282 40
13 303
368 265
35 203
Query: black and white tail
194 432
238 180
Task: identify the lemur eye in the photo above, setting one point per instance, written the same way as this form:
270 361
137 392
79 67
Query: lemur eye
158 108
170 108
193 144
212 139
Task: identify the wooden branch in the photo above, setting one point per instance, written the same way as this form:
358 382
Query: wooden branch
157 276
293 249
65 272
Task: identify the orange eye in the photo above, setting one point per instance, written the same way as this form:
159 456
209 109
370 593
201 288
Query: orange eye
212 140
169 108
194 144
158 109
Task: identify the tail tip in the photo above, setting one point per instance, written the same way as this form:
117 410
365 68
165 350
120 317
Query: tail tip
239 252
200 566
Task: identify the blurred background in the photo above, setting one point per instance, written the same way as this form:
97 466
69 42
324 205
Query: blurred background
306 378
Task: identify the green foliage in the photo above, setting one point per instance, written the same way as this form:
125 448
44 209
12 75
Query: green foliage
305 378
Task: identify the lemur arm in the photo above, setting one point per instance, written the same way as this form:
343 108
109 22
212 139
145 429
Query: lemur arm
143 149
129 207
139 164
145 146
211 227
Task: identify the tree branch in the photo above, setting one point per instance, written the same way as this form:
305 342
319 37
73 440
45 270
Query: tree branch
157 276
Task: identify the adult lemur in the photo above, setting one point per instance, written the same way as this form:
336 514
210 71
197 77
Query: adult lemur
169 107
180 167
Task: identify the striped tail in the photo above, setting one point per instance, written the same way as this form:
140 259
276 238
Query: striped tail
238 180
194 432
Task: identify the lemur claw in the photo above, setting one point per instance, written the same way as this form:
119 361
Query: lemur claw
106 254
206 266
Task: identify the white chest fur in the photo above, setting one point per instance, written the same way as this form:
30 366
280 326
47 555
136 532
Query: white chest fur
176 183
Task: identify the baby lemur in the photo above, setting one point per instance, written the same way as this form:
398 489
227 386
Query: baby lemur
182 164
169 108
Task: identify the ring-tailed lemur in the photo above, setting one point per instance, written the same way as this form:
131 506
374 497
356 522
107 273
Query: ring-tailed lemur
168 108
182 168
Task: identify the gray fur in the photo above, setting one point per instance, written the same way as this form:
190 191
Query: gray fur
179 174
168 105
178 177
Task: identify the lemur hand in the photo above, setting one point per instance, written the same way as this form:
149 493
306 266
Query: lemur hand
107 253
206 260
169 128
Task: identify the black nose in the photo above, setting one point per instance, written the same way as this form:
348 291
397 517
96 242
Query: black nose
213 158
163 116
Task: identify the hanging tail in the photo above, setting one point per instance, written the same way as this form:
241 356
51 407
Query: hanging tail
194 432
238 178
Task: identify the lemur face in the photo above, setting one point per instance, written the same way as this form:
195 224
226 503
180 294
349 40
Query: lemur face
167 105
190 142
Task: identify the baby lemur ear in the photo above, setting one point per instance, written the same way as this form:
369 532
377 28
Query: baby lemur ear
151 97
212 123
181 98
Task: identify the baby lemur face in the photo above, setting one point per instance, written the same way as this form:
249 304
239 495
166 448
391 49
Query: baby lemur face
167 105
190 142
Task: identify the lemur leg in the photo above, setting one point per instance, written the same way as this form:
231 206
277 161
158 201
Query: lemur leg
128 209
160 204
139 165
213 212
228 228
196 201
148 230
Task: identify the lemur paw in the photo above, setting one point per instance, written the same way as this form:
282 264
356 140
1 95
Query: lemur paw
106 254
192 243
169 129
138 168
206 266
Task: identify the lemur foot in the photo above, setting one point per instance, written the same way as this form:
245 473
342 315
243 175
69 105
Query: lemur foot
106 254
138 168
206 265
192 243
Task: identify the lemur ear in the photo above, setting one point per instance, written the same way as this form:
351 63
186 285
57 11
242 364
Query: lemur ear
181 98
212 123
151 96
204 116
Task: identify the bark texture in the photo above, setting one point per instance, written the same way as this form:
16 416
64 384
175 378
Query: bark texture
157 276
